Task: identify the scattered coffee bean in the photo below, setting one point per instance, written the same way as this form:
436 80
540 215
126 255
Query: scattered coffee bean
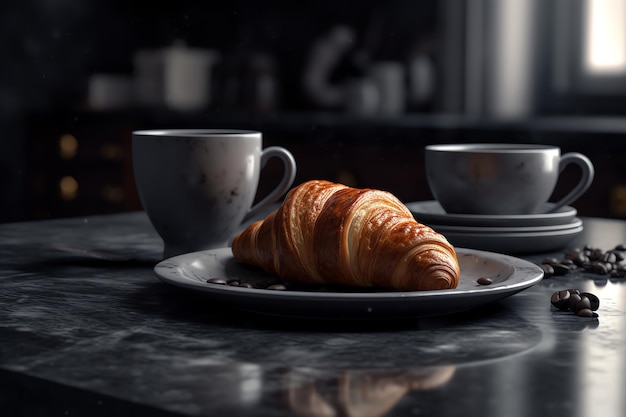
618 272
582 304
236 282
548 270
573 301
277 287
597 268
550 261
220 281
569 263
589 259
594 301
576 256
560 269
594 254
484 281
609 257
560 300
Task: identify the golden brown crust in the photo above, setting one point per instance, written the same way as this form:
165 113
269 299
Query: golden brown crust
329 233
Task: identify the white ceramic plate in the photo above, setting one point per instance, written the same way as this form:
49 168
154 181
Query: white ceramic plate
514 243
430 212
509 275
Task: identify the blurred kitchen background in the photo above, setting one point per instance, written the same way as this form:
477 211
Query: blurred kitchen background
355 89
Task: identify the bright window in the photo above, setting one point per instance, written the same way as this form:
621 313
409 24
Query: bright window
604 50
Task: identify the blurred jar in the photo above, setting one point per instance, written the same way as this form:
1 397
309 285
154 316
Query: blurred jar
362 97
389 77
177 77
260 87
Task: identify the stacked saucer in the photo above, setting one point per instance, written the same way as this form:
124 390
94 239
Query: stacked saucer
514 234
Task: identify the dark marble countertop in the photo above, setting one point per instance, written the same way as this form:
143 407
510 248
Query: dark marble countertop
86 328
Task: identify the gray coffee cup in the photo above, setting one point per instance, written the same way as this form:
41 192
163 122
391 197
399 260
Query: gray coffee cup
198 186
501 179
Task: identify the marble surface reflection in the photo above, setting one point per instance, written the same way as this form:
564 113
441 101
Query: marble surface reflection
85 327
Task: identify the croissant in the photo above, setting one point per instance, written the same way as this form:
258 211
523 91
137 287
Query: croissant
328 233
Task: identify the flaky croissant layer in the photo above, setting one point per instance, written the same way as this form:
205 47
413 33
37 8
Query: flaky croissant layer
327 233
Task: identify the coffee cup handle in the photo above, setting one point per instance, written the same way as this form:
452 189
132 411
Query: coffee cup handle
586 179
289 176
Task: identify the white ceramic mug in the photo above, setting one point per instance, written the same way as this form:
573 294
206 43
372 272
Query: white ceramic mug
501 179
198 186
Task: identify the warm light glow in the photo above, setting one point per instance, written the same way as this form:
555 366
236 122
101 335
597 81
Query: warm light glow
605 36
68 146
68 188
112 151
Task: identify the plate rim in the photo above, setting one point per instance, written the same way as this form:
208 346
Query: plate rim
162 271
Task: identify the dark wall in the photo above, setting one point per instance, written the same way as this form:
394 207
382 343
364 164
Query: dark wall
50 49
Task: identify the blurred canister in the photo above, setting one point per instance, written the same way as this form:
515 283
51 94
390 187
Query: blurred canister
389 78
177 77
362 97
110 92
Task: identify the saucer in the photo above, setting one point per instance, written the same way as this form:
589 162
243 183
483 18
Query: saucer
431 212
515 242
573 224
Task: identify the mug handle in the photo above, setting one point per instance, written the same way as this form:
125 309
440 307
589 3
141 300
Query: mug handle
587 170
289 176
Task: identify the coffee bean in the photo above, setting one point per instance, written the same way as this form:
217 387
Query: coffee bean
572 253
278 287
484 281
220 281
596 267
609 257
580 259
560 269
548 270
550 261
619 255
576 256
594 301
582 304
618 273
603 268
573 300
244 285
560 300
595 254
